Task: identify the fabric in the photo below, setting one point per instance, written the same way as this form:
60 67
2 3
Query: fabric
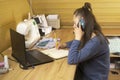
92 60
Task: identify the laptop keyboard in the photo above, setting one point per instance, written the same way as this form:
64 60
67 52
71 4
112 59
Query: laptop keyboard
39 56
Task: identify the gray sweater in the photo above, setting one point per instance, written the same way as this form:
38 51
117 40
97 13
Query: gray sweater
92 60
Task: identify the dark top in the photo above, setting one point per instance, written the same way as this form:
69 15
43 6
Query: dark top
92 60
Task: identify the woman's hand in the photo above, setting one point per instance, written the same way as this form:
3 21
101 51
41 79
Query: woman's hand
61 46
78 32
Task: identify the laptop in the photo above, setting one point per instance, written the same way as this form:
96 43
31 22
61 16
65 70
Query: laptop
26 58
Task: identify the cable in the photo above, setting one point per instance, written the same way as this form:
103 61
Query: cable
8 58
25 67
1 54
30 5
114 72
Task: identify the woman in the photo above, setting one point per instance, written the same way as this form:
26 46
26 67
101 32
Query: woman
89 50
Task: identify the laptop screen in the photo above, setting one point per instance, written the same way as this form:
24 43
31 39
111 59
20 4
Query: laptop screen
18 46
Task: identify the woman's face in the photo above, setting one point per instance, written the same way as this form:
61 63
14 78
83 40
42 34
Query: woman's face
75 20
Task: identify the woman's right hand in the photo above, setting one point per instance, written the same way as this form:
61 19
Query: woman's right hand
78 32
61 46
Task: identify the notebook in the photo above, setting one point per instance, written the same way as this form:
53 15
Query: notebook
55 53
114 44
27 58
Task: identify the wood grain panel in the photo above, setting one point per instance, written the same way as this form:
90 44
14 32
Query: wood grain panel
13 10
11 13
56 70
106 11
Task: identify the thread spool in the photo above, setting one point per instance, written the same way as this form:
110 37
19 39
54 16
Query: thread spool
1 64
6 65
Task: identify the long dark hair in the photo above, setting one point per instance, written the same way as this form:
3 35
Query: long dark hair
91 24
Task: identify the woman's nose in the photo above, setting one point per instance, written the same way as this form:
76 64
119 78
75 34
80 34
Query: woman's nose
73 25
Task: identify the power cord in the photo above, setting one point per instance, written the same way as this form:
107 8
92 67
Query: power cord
8 58
25 67
114 72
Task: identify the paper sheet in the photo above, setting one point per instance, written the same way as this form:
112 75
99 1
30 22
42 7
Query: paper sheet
114 44
55 53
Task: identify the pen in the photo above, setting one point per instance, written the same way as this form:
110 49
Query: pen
56 41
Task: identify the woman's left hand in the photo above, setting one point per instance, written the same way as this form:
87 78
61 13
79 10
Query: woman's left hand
78 32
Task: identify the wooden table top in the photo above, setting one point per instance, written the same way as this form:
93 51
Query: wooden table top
56 70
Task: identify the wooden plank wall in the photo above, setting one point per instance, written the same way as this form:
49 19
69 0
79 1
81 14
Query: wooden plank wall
107 12
13 10
11 13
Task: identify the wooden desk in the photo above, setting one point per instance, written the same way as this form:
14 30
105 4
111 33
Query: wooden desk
57 70
111 31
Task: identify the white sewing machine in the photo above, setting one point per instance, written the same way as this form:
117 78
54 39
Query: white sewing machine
29 28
